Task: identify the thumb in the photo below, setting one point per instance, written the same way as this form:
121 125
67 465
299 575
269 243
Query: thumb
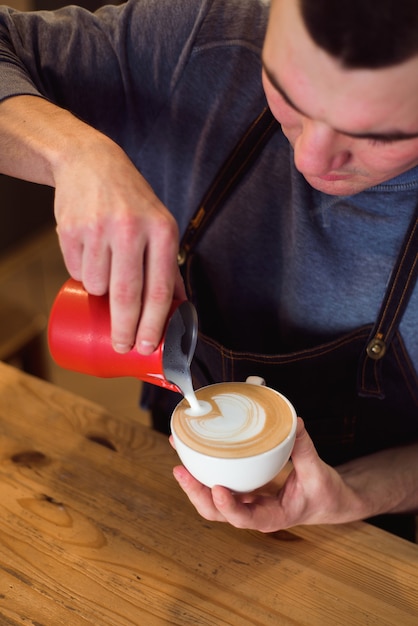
304 455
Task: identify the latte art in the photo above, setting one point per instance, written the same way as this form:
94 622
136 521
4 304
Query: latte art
236 420
231 419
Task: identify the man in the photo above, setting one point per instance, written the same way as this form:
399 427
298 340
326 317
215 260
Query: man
290 275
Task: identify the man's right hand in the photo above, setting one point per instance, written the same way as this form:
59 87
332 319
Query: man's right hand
115 234
117 237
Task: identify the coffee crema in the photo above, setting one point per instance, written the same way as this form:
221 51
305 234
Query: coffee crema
242 420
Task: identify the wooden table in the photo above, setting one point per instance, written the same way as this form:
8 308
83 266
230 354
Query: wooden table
94 530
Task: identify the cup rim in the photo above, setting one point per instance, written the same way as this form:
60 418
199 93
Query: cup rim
281 444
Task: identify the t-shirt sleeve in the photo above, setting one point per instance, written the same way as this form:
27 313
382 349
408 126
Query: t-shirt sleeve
114 68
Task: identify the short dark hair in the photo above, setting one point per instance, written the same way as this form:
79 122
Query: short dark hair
364 33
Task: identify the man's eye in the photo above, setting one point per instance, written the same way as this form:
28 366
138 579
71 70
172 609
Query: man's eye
387 139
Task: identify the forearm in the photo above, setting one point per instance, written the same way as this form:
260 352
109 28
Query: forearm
385 482
37 138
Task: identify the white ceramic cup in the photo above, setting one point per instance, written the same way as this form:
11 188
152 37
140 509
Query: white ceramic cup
224 454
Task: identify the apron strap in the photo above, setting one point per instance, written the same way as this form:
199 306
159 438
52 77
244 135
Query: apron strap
402 282
236 165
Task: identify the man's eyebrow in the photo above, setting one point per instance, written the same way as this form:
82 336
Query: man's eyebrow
280 89
391 135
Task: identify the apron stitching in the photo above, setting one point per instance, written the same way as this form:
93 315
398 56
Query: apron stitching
394 285
235 176
375 389
395 299
288 358
401 299
235 151
232 363
225 360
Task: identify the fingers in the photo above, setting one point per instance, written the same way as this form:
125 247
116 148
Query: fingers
221 505
304 455
95 266
87 257
131 253
141 287
217 504
199 495
126 282
160 271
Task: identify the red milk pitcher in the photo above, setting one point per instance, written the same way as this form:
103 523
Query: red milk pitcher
79 340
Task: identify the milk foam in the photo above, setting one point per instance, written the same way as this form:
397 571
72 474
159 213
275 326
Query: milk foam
232 417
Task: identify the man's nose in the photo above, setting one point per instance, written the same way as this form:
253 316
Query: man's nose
319 150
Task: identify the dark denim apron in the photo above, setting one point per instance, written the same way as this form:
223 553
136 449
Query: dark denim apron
357 393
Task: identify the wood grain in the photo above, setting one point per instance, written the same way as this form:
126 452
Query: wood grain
95 531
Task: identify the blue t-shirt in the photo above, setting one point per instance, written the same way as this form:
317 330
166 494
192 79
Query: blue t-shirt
176 83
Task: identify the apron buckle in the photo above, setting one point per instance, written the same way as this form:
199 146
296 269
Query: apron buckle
376 348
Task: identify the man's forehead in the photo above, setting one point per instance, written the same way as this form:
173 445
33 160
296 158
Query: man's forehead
383 101
390 134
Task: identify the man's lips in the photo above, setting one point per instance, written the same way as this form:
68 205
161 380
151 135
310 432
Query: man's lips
334 177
